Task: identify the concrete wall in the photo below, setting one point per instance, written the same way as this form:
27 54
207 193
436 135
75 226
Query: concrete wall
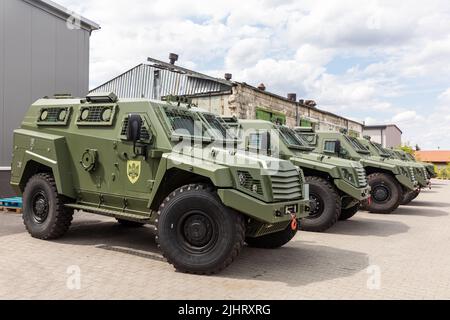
39 56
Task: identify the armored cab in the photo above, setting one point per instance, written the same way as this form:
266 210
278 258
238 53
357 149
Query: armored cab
337 186
387 178
420 171
157 163
422 174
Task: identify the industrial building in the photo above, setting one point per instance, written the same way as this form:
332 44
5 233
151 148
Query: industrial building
44 49
389 136
156 79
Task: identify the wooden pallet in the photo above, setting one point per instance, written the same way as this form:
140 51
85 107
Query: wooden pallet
11 204
13 210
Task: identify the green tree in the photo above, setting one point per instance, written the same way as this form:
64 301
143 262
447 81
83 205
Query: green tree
407 149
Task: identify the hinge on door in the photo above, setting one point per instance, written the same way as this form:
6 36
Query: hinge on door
125 204
150 184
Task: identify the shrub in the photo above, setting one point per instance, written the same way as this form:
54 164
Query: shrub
444 173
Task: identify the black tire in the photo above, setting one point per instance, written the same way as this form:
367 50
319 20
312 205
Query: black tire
325 206
386 193
44 214
273 240
130 224
349 213
409 196
197 233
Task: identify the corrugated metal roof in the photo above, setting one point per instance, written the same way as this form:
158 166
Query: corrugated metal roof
156 81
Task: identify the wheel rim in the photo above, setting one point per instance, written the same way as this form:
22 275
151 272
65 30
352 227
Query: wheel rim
40 207
317 206
197 232
381 193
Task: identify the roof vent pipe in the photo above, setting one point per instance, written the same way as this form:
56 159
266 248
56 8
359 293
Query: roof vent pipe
262 87
292 97
228 76
173 57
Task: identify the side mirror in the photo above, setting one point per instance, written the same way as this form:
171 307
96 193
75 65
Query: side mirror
337 147
134 127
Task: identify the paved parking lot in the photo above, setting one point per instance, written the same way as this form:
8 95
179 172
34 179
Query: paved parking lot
405 255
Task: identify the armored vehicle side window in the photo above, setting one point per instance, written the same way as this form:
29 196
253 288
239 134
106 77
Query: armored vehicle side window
54 116
184 123
96 115
329 146
380 149
356 145
291 139
220 129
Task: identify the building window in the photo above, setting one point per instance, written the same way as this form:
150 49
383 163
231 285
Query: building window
274 117
305 123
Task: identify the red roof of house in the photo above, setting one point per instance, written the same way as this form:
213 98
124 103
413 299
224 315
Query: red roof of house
433 156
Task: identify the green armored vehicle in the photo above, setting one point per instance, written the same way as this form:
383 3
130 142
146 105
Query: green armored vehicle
420 172
336 186
387 177
400 154
157 163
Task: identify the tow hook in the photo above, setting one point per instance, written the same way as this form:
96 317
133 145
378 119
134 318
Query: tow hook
369 201
294 223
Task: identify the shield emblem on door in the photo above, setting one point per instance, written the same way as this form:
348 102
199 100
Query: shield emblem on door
133 171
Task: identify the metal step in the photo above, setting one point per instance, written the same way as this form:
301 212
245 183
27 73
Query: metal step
111 213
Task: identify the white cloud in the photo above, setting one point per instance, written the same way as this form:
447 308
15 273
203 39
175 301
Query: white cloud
406 116
288 46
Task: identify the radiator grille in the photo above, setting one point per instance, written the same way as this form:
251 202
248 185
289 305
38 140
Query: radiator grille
286 185
362 177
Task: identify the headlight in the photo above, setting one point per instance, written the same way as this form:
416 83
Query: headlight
347 175
247 182
243 177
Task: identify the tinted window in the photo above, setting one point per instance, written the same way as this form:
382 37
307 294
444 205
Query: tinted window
330 146
219 126
290 137
184 122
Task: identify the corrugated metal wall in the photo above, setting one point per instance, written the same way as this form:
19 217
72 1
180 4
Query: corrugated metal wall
147 81
39 56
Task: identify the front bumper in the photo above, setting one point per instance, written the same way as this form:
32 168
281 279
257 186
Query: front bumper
262 211
407 183
424 183
359 194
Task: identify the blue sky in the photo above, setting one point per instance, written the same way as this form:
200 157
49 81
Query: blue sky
375 61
